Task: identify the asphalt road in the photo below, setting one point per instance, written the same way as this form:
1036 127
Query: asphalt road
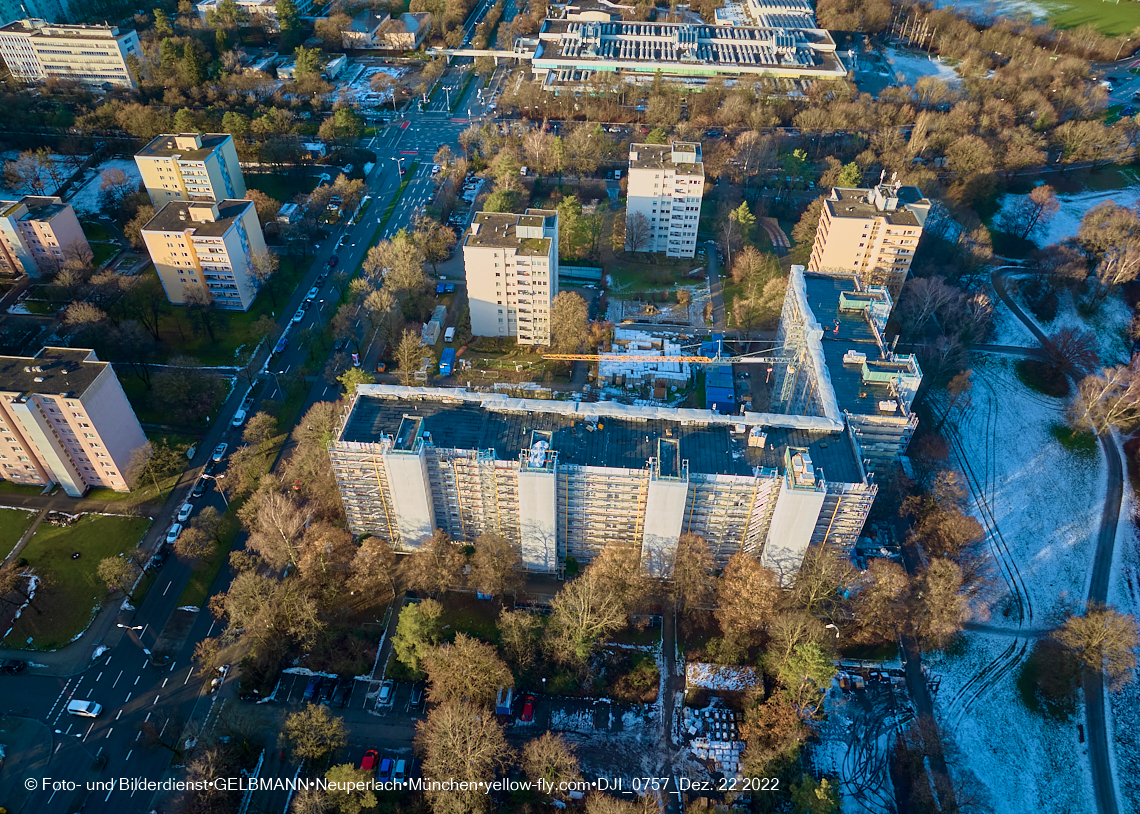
1104 785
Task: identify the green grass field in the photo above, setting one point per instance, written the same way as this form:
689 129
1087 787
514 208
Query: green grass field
65 604
282 187
1115 19
13 524
103 252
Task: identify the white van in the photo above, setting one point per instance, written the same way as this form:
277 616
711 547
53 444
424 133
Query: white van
449 335
401 772
84 709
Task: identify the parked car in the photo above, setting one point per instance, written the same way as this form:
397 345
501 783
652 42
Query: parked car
342 693
326 693
313 292
239 418
332 262
369 761
158 558
220 451
450 288
435 170
199 488
10 667
400 773
387 694
528 708
173 532
300 315
211 466
311 688
356 360
184 512
417 699
84 709
386 766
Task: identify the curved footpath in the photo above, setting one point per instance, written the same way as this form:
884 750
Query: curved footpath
1103 782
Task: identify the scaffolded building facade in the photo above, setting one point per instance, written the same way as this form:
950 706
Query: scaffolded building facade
563 480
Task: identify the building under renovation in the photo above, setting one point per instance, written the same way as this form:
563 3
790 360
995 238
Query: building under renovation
838 364
565 479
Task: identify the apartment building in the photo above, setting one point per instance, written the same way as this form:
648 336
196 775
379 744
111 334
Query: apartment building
666 184
191 167
35 50
262 12
511 263
65 419
839 364
873 232
210 245
562 480
38 234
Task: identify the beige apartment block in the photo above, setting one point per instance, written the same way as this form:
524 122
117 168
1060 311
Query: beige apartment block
96 55
511 262
207 244
872 232
65 419
666 184
191 167
38 234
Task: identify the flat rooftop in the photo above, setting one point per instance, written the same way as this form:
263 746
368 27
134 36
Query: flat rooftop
660 157
40 28
65 371
459 420
170 218
854 203
845 331
497 230
167 147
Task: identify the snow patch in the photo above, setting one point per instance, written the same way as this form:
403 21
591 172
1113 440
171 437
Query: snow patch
914 66
86 199
719 677
1074 205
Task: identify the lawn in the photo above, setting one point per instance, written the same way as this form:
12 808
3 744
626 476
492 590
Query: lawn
206 570
71 594
1114 19
93 230
7 487
13 524
282 187
103 252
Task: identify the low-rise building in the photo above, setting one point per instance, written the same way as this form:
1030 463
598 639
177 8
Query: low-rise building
191 167
95 55
207 245
406 32
562 480
569 52
511 264
38 234
871 232
263 11
332 66
663 201
289 213
839 364
364 31
65 419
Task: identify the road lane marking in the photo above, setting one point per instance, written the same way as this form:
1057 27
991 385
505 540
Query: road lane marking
137 737
120 715
164 682
89 730
143 631
172 667
167 588
109 731
156 699
108 797
120 675
131 752
99 676
128 698
136 681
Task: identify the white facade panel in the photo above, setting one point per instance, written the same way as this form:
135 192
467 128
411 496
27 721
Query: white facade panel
411 494
538 520
664 516
793 522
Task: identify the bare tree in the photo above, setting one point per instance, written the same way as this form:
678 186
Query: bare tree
938 606
410 356
693 583
314 733
569 323
435 566
747 596
1110 398
1072 351
461 742
584 613
466 669
550 759
496 565
638 232
1031 214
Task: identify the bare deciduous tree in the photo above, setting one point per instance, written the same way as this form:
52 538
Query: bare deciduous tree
465 670
462 742
1103 639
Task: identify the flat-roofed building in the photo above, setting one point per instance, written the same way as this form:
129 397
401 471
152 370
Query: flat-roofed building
872 232
65 419
191 167
666 185
511 265
260 11
207 245
96 55
569 52
839 363
563 480
38 234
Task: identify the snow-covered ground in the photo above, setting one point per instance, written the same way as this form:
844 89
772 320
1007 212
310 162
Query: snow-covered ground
66 168
1124 713
1041 506
989 9
1074 205
1109 323
359 91
87 198
914 66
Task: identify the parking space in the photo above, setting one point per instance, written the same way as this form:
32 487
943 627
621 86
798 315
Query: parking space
354 694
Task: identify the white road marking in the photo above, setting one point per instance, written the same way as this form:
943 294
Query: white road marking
129 754
172 667
99 676
189 674
89 730
156 699
167 588
120 675
136 681
164 682
120 715
109 731
128 698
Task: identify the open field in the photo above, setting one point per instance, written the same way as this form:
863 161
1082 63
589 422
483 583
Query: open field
71 594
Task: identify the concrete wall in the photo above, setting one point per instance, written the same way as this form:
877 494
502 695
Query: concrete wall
538 521
51 452
411 494
114 423
664 516
793 522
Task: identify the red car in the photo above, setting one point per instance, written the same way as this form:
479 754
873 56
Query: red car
528 708
369 761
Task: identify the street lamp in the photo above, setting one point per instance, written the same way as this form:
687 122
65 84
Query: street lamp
399 165
220 490
833 627
128 627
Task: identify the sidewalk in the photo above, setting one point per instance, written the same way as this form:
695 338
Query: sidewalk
60 502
